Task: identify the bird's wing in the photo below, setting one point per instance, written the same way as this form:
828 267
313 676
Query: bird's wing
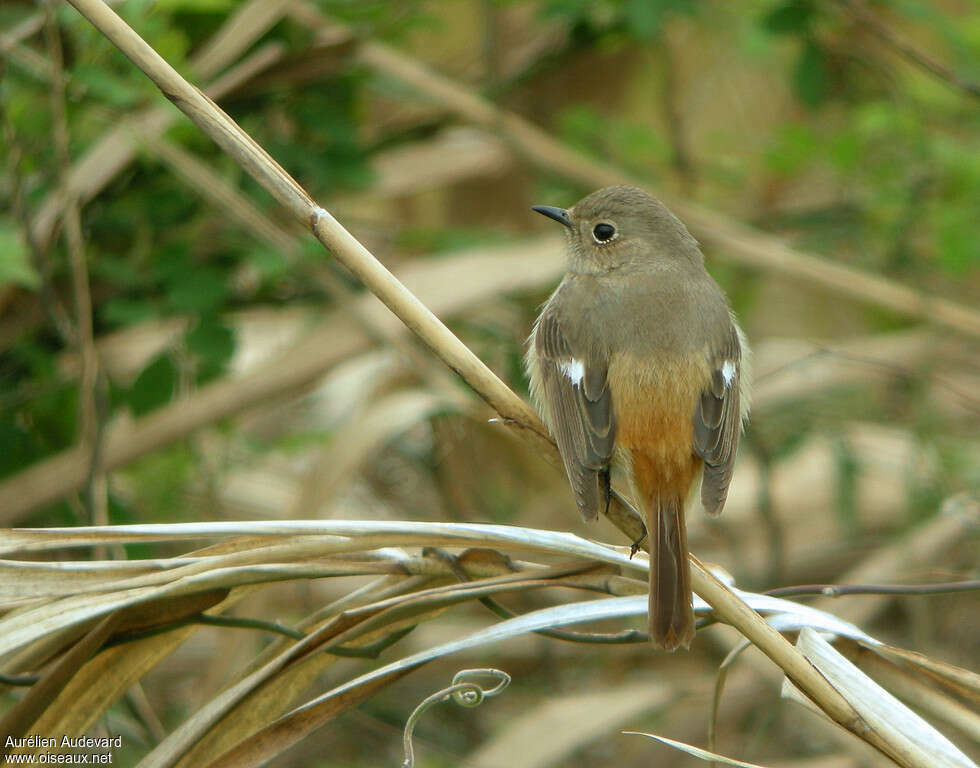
579 412
718 421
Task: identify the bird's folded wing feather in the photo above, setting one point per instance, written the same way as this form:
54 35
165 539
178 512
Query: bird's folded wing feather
579 412
717 423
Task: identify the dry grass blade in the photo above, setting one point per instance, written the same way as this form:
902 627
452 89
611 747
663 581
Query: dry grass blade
335 536
281 734
913 741
915 689
260 557
371 534
18 720
274 697
962 681
356 627
34 623
294 726
700 754
104 679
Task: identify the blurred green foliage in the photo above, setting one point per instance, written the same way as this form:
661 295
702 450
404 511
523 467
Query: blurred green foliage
898 149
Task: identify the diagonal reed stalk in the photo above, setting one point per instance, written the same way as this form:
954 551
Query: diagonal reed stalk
418 318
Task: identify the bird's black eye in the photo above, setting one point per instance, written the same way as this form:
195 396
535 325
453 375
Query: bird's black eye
603 233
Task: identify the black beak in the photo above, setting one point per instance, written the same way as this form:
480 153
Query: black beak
558 214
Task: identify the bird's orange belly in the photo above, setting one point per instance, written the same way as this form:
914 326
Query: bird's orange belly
654 406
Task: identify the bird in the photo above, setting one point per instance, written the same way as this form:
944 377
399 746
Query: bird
637 363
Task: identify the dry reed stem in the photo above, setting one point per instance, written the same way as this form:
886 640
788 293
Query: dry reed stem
91 423
427 326
912 688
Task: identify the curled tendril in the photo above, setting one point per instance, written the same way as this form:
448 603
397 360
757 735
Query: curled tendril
464 692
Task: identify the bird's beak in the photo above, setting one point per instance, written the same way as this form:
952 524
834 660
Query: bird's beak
558 214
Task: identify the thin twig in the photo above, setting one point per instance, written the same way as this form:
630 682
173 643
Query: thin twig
239 622
625 637
372 650
91 421
843 590
908 51
19 681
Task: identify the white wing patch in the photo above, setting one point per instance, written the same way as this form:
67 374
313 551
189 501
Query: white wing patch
728 372
574 370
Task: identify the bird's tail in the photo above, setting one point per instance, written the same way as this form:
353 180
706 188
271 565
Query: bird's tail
671 611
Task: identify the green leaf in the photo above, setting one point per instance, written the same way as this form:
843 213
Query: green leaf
123 311
268 262
197 290
194 6
213 344
15 261
18 447
791 17
103 85
958 240
845 151
155 386
810 76
644 18
793 147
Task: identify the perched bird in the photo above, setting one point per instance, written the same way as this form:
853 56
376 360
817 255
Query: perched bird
636 360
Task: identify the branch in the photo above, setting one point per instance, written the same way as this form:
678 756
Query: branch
91 404
909 51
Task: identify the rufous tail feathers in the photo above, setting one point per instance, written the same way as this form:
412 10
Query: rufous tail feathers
671 612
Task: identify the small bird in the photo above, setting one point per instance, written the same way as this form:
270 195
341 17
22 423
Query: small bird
636 361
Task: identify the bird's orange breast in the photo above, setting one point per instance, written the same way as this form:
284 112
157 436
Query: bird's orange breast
654 402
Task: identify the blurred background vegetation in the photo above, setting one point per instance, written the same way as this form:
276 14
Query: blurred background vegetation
849 129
